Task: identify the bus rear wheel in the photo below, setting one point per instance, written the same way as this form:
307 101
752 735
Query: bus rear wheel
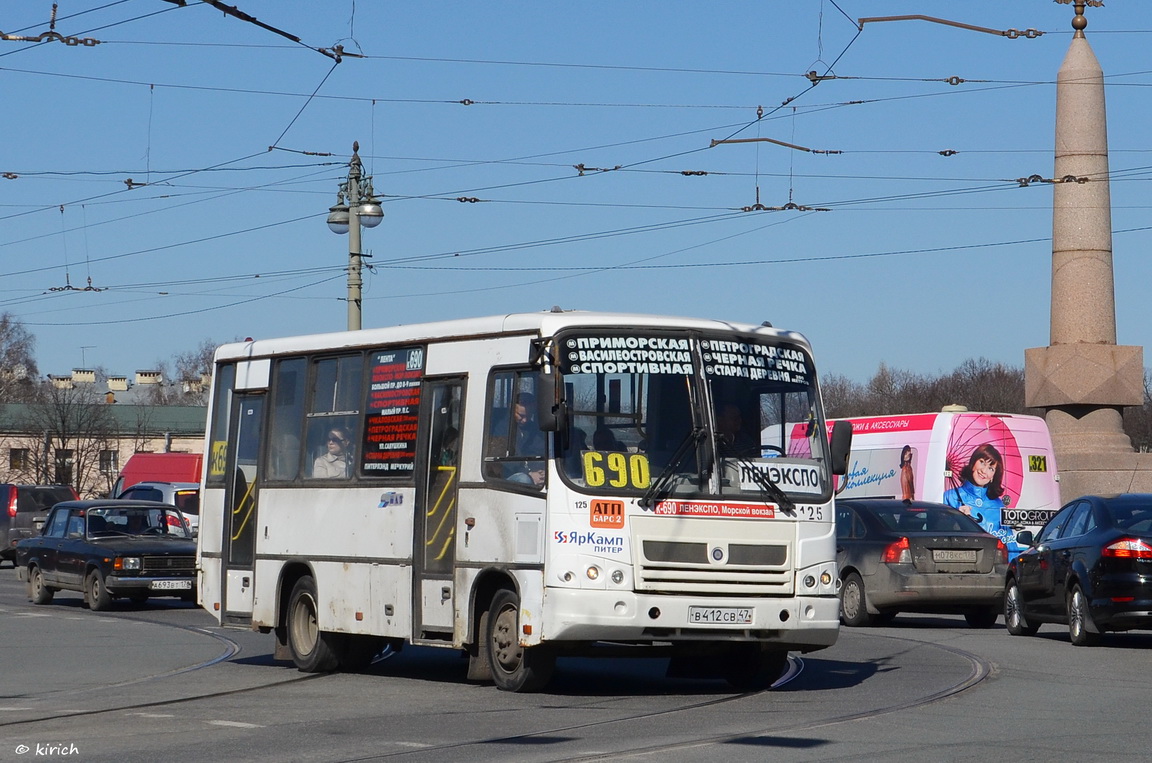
514 667
312 649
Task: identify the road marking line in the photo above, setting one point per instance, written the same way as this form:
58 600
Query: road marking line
236 724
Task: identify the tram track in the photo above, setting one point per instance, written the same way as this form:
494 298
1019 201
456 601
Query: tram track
230 649
979 669
482 747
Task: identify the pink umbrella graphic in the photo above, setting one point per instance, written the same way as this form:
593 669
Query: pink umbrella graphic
969 433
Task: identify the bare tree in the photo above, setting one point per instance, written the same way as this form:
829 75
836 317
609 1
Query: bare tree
18 371
72 427
979 385
1138 419
188 384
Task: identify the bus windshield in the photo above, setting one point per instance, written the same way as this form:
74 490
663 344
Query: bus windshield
691 415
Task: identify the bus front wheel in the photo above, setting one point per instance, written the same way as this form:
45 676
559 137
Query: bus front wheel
312 649
514 667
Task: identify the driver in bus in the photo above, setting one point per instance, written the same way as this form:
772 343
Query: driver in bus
529 441
731 436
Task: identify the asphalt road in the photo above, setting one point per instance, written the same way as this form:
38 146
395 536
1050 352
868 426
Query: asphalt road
161 682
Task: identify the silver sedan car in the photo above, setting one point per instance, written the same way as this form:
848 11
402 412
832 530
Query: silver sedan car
896 556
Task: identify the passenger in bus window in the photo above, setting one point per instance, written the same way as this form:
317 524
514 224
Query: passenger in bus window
333 463
449 447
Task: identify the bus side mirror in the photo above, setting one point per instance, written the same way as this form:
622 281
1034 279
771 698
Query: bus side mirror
550 409
841 446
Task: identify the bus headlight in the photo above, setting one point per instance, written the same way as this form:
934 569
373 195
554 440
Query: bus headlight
593 572
617 576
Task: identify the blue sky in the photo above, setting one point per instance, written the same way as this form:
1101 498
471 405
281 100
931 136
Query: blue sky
235 140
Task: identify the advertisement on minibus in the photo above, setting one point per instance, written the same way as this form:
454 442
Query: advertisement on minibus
998 468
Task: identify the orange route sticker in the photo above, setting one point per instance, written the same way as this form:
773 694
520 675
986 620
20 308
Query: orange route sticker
606 513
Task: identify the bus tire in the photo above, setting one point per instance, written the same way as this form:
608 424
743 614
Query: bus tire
514 667
312 649
853 602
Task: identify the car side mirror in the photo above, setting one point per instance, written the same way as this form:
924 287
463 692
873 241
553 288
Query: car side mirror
1025 538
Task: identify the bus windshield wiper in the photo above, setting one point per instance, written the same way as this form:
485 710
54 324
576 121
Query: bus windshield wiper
660 484
766 485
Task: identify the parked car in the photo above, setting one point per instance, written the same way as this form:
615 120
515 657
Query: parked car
915 556
108 549
183 495
1090 568
20 505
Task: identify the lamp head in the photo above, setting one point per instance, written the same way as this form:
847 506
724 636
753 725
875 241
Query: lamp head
338 218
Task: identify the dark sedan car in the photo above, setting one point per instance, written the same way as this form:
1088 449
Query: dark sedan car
1090 567
915 556
108 549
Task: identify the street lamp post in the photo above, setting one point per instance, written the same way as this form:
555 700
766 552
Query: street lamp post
356 206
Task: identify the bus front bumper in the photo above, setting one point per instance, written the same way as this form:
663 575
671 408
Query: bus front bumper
803 623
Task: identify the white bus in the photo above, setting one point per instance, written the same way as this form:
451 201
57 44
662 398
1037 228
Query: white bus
522 487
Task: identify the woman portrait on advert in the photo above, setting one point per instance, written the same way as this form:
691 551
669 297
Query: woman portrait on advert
980 493
907 478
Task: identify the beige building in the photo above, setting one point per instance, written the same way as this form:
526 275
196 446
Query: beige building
87 426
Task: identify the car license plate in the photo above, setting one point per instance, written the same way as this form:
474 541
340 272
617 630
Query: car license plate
721 615
171 585
953 555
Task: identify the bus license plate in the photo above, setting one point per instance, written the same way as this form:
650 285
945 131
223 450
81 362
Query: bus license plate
171 585
721 615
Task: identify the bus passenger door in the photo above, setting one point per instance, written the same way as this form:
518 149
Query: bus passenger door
435 522
239 543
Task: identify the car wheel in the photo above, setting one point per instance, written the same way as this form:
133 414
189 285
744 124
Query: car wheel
749 667
982 618
99 600
37 591
853 604
1080 626
1014 618
514 667
312 649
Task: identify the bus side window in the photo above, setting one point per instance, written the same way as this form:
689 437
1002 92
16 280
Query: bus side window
333 418
515 448
287 414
